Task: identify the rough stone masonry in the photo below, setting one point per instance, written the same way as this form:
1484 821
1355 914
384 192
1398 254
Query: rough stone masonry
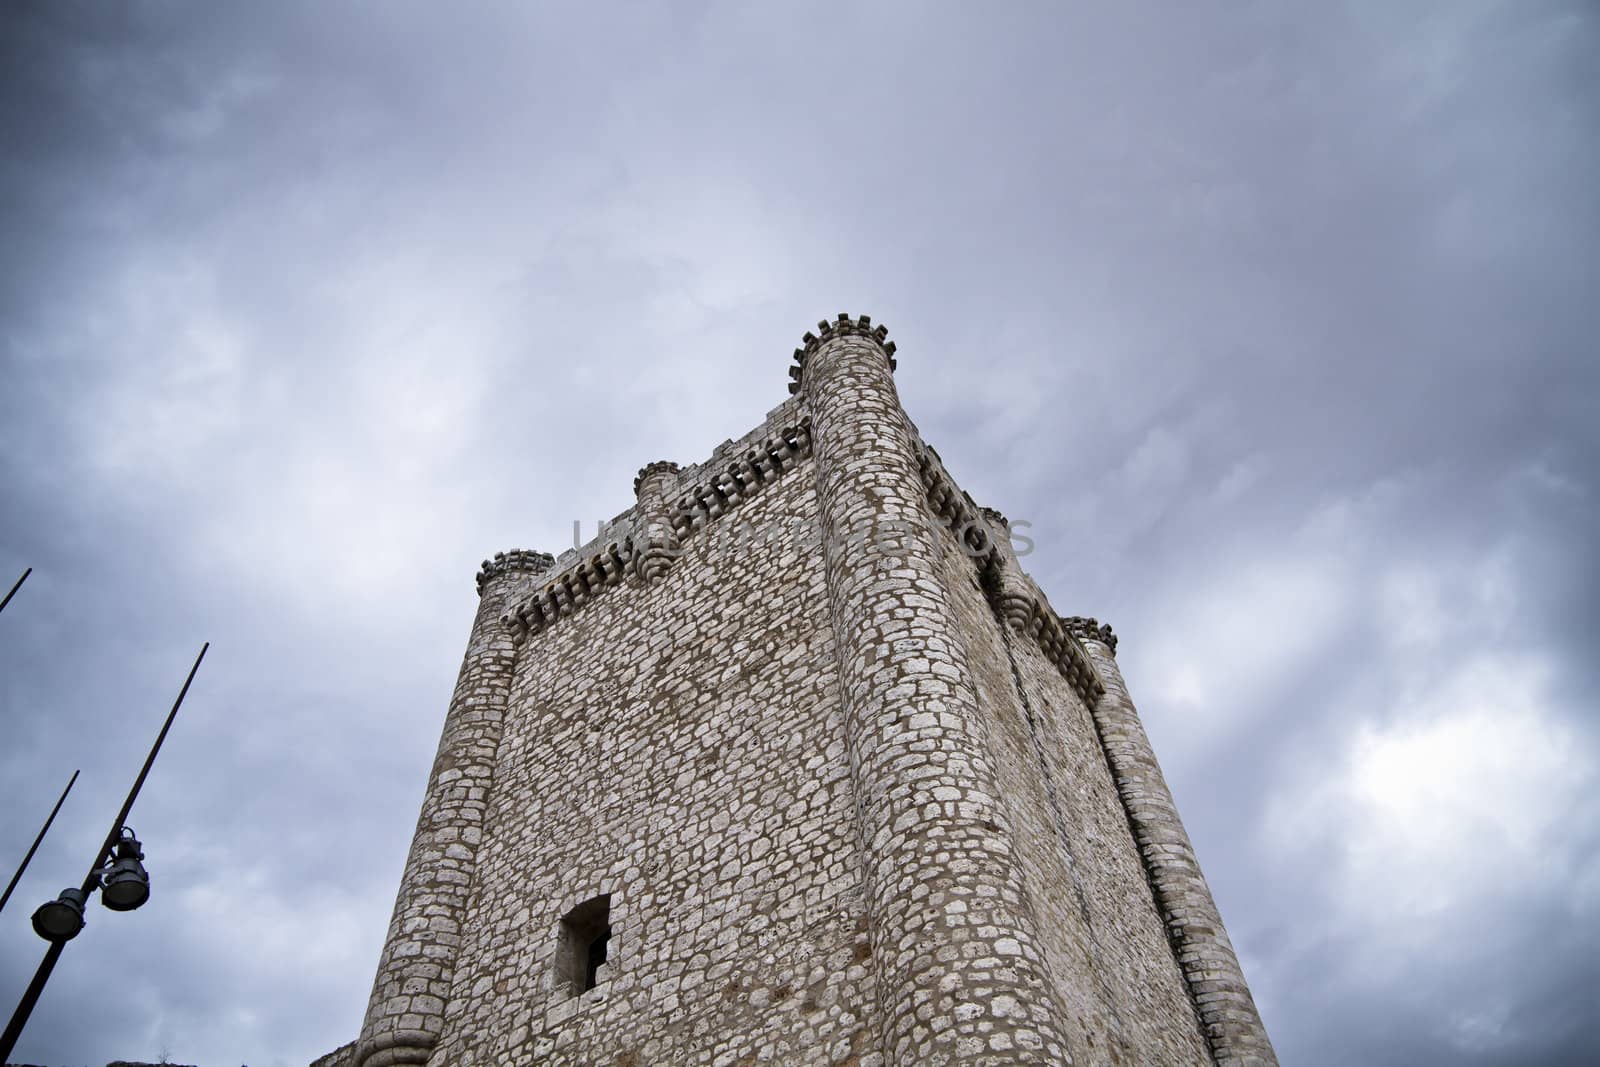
793 764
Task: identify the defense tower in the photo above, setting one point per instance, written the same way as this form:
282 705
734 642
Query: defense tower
794 764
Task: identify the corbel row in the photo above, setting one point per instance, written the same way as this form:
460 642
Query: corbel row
1062 648
740 478
987 534
571 589
843 326
951 504
658 532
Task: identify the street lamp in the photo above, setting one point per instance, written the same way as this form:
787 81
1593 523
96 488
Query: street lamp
117 872
123 883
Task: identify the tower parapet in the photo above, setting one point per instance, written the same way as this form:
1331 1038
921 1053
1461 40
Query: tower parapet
838 329
1089 629
517 561
698 495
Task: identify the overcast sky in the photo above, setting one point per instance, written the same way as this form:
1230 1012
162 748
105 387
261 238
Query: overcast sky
1277 322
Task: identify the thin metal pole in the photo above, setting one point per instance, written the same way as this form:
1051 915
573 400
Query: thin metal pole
30 997
14 588
35 847
138 783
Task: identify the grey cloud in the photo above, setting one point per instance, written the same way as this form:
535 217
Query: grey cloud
1256 315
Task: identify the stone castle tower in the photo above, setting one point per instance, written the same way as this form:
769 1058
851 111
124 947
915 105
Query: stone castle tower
794 765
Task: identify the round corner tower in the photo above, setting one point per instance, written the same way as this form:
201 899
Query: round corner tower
405 1013
960 976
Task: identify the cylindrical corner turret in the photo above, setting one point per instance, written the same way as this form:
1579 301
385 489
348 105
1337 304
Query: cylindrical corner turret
656 546
960 974
1210 968
405 1014
1013 598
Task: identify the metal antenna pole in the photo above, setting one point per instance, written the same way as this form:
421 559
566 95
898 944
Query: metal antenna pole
30 997
35 847
14 588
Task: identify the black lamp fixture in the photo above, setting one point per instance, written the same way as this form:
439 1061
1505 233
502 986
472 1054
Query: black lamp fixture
118 872
123 882
59 920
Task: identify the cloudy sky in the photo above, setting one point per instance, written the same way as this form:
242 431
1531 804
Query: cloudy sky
1277 322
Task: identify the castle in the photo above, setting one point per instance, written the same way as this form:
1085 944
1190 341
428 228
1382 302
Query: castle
793 764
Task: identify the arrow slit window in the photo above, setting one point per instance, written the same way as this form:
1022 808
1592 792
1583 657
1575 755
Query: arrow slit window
583 946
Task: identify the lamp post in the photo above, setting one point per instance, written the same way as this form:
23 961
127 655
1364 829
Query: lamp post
35 846
14 588
117 872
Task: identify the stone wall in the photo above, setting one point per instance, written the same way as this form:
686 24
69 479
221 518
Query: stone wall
677 744
1103 940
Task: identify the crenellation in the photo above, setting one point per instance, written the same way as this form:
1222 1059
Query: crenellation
703 496
841 327
1087 629
793 763
984 534
517 561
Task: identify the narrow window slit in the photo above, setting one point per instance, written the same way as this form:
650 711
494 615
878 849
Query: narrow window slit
584 945
597 956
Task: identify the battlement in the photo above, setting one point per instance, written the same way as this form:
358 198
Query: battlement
699 496
736 470
843 326
1090 629
516 561
660 466
982 531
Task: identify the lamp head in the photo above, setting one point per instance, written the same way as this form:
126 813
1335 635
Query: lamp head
60 919
125 885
